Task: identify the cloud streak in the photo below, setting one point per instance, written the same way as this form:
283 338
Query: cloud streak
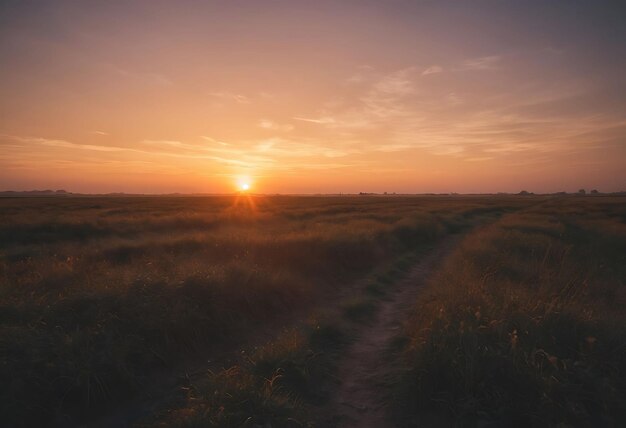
482 63
273 126
433 69
230 96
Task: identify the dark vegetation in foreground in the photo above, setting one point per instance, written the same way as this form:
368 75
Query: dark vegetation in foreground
524 325
288 381
98 294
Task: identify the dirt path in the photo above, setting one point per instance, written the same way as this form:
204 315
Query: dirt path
360 400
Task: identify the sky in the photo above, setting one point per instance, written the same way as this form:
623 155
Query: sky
313 97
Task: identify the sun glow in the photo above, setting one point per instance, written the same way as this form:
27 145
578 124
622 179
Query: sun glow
243 198
243 184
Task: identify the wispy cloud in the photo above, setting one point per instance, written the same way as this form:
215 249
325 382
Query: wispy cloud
363 74
153 78
478 159
102 133
482 63
433 69
158 148
356 78
389 148
230 96
213 140
67 144
398 112
397 83
320 120
273 126
281 154
383 100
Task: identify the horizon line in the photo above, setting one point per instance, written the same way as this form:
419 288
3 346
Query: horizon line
64 193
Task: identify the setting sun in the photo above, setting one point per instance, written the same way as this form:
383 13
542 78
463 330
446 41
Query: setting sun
244 186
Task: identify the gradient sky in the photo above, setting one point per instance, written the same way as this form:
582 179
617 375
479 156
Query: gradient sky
313 96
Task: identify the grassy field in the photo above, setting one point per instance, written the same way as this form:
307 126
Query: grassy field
100 295
524 325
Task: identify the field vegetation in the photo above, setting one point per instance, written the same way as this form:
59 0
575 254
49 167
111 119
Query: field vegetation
521 324
524 324
99 294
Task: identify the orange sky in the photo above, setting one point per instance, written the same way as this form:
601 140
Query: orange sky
297 97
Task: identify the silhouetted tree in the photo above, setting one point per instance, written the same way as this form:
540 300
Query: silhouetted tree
581 192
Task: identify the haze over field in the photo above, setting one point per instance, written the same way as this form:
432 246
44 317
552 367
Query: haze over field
298 97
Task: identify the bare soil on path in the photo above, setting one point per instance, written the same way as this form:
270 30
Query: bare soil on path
366 366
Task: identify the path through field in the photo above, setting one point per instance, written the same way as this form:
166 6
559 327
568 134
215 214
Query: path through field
361 398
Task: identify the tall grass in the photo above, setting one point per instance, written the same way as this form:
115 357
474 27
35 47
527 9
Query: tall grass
524 324
96 294
273 386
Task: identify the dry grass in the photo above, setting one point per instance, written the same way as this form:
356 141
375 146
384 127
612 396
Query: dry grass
98 293
524 324
274 385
